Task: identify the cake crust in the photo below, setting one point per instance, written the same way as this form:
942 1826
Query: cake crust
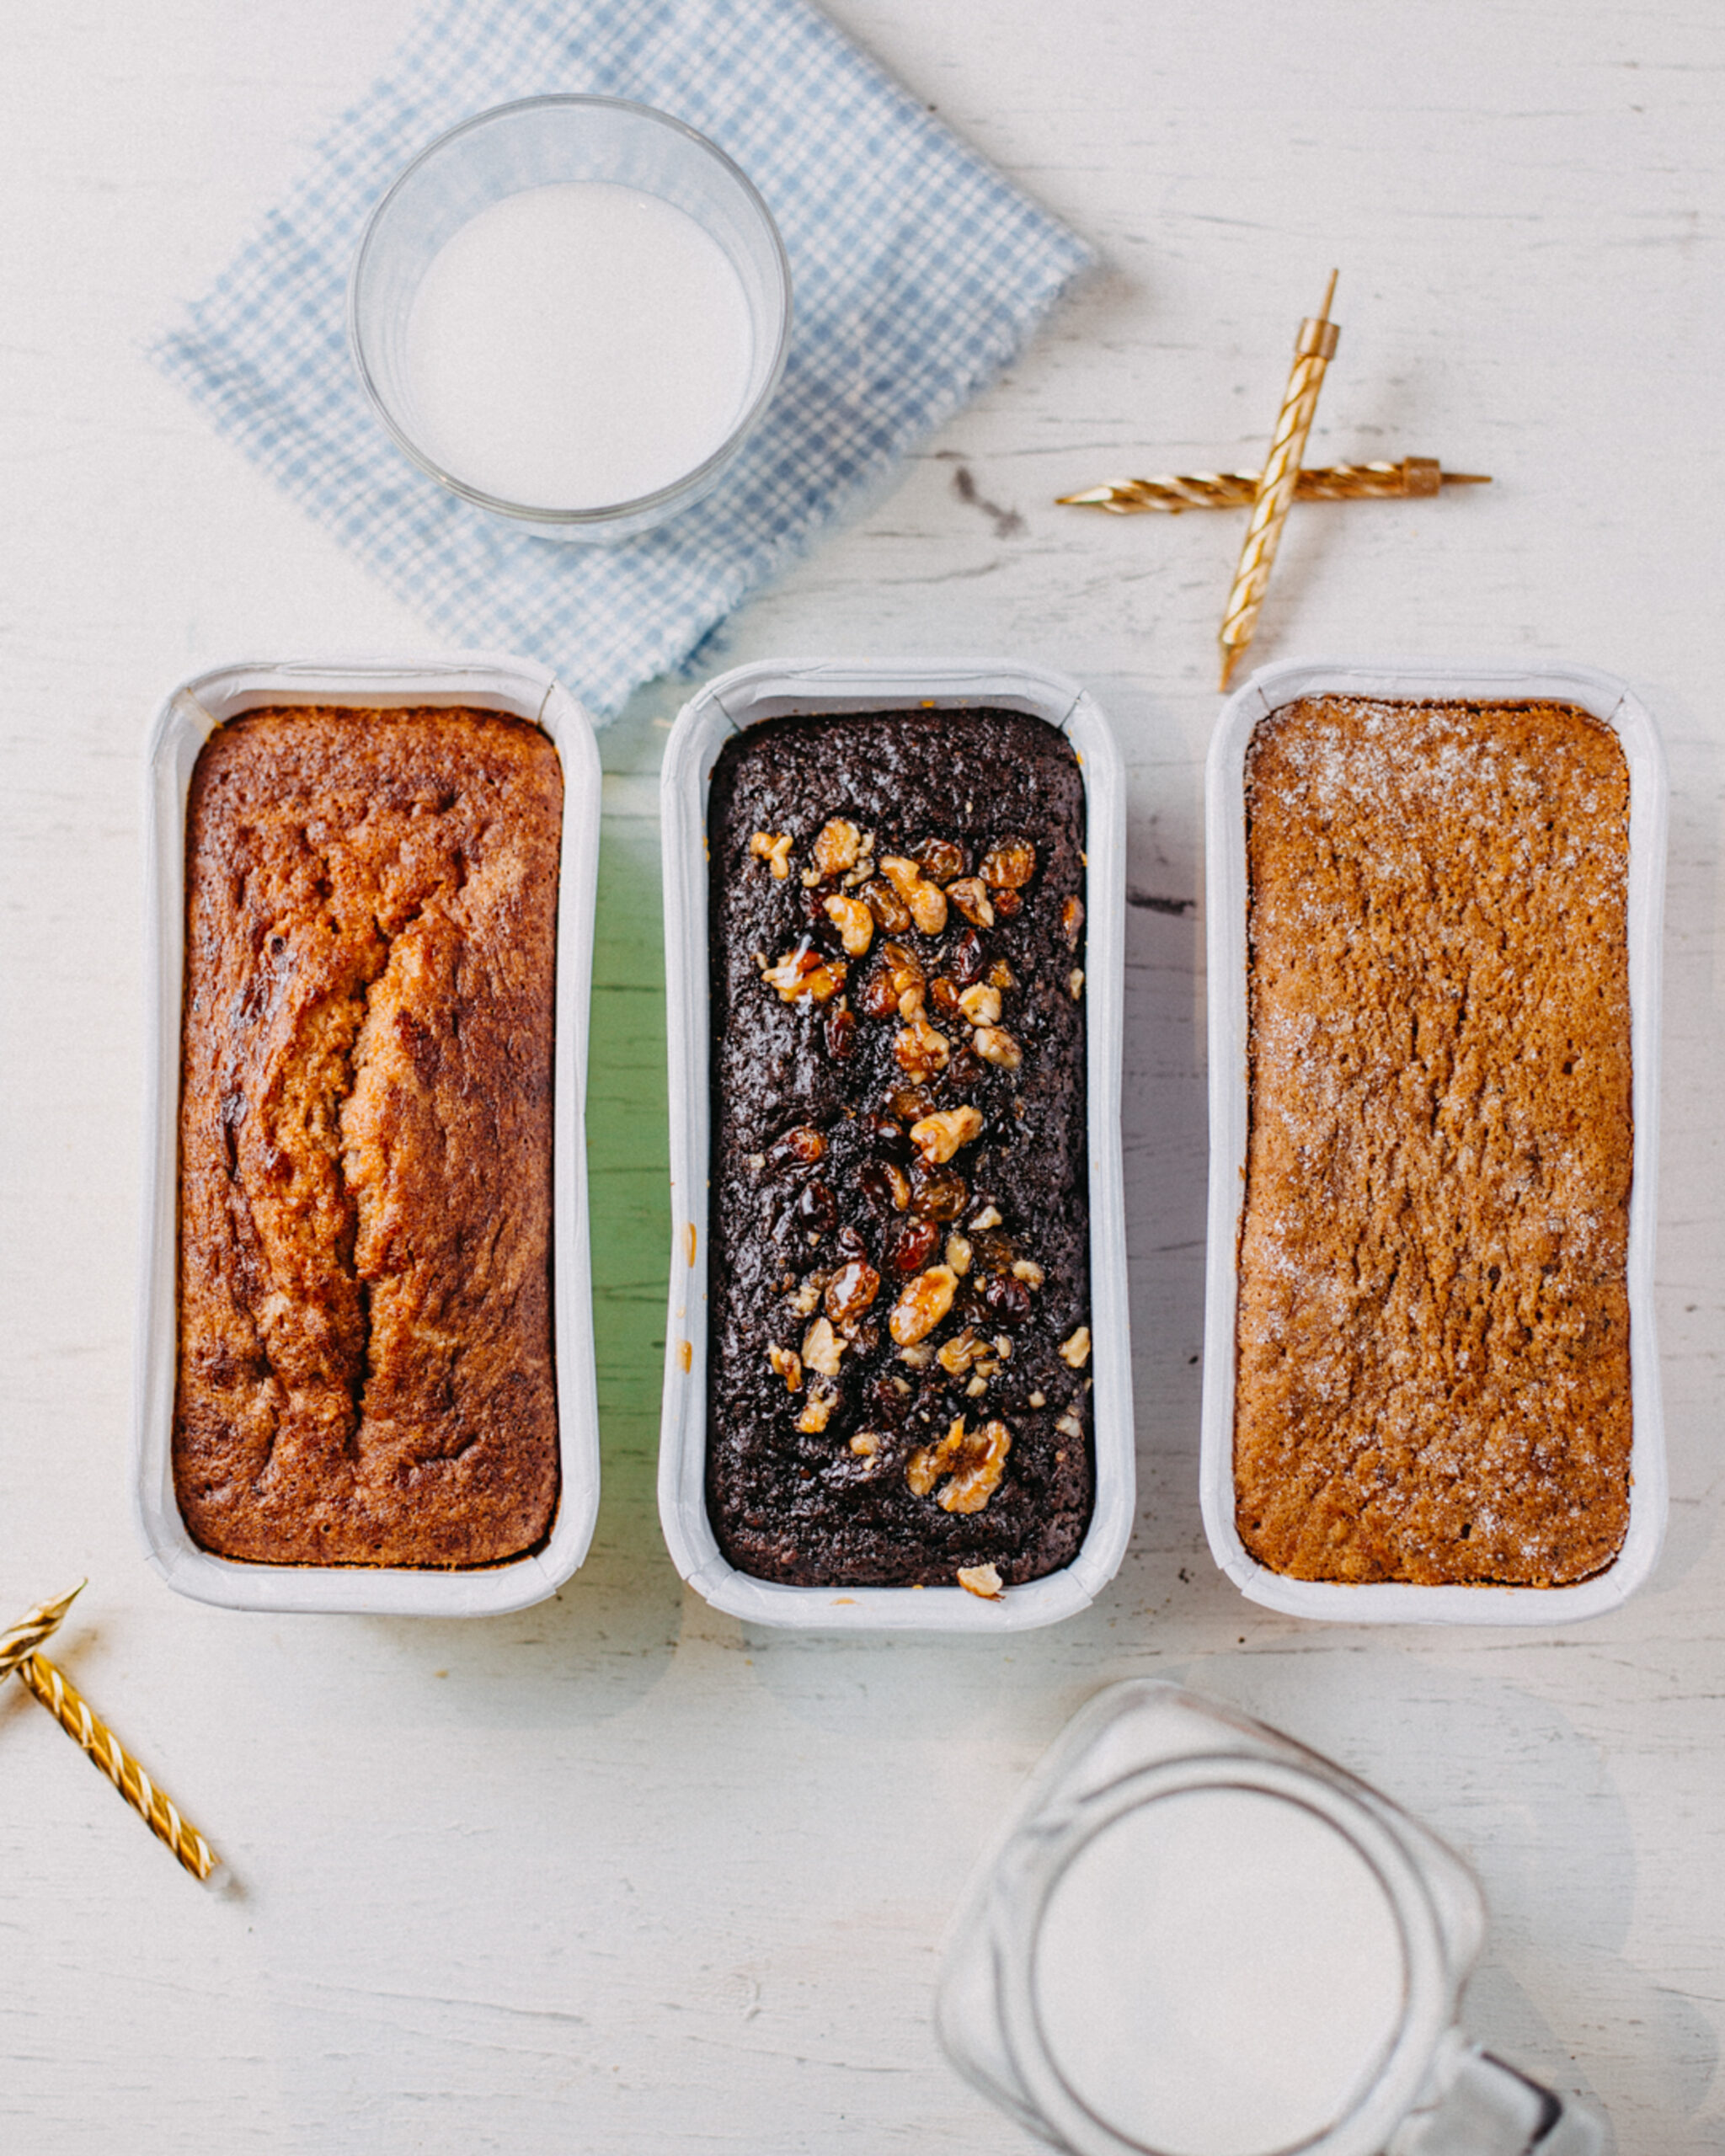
888 1401
1433 1373
366 1370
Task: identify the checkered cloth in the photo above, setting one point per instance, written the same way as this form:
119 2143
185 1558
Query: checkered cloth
918 274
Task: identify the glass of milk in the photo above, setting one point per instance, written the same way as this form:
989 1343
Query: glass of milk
1196 1938
572 311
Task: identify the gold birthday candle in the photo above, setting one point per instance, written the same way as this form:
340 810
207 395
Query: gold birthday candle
1412 478
1313 349
22 1640
153 1805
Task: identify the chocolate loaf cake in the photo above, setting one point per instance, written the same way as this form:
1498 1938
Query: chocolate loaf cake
898 1255
365 1372
1432 1377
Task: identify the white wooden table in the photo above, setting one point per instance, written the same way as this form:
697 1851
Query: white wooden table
620 1876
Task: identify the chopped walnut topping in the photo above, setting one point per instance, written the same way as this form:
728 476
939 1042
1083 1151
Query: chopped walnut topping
1010 865
1071 921
1028 1271
1074 982
973 1464
899 1184
822 1349
1069 1426
865 1444
1003 1346
958 1254
818 1413
851 1290
926 901
803 976
922 1052
787 1364
774 848
981 1005
977 1386
837 847
919 1357
1001 975
757 1162
1075 1353
1039 1400
809 878
970 894
853 922
997 1046
922 1304
807 1300
938 1136
957 1354
983 1580
988 1217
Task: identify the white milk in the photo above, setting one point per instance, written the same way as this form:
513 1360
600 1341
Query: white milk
1219 1973
576 345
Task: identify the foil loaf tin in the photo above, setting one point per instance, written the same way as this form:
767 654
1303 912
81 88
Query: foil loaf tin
1414 681
190 714
728 705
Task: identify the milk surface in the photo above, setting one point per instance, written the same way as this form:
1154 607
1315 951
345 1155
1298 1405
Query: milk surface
576 345
1219 1973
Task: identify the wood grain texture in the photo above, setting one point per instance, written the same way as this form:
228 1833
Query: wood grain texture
618 1874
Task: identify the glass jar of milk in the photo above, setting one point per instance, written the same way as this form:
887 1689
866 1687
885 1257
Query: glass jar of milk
1199 1938
572 311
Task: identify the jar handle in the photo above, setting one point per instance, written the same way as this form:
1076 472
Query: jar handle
1483 2107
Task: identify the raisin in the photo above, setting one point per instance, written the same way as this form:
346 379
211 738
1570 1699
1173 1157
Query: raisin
939 1194
1007 1298
841 1033
817 1208
915 1246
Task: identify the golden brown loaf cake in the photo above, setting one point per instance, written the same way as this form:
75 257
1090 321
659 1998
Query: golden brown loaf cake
1433 1347
365 1372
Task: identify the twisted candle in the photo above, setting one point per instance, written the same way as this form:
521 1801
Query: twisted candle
1313 349
17 1644
1172 492
153 1805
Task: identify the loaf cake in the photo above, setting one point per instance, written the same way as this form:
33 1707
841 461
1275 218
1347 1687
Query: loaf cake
899 1247
365 1372
1433 1374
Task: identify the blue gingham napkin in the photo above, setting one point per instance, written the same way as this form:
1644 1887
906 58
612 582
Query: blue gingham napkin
918 273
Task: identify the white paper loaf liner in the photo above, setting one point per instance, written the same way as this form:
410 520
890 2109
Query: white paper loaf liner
729 705
185 721
1225 897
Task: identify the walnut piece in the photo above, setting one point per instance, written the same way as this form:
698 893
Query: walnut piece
926 901
958 1254
1028 1271
997 1046
1071 921
774 848
807 1300
803 976
1075 1353
822 1349
818 1413
973 1464
983 1580
922 1052
865 1444
981 1005
956 1355
837 847
988 1217
787 1364
922 1304
1010 865
938 1136
1074 982
853 922
970 894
